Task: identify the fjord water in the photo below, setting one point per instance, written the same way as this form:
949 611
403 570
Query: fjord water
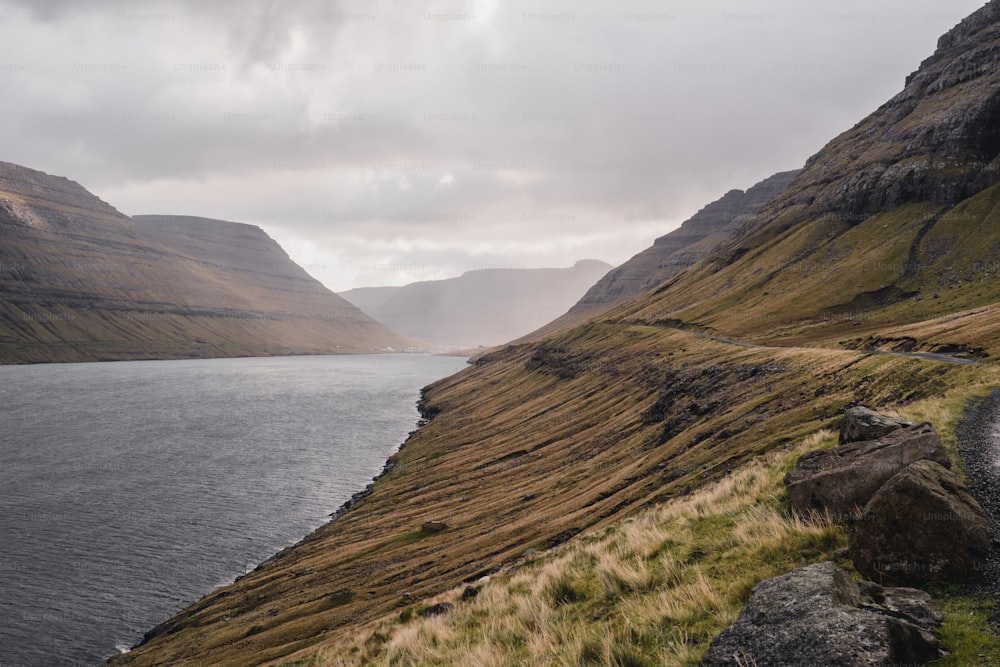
130 489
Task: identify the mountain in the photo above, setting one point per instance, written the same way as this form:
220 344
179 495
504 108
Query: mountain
79 281
672 253
893 224
665 427
479 308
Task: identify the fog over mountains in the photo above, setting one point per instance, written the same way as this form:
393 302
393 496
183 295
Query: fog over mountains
478 308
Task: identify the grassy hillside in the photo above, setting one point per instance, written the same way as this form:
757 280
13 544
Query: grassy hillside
653 589
888 239
529 448
906 273
79 281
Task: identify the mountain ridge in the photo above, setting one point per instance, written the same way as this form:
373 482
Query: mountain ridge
80 281
671 253
891 224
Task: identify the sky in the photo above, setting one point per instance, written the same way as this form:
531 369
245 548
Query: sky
383 142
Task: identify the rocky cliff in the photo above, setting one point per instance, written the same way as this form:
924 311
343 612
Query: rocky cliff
79 281
674 252
484 307
937 140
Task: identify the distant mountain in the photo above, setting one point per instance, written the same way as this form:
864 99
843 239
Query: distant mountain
484 307
79 281
672 253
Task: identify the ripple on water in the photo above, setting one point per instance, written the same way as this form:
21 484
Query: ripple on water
131 489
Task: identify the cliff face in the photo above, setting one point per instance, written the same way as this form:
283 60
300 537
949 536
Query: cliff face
674 252
82 282
936 141
485 307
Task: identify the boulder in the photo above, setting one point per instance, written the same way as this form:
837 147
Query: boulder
433 527
843 479
860 424
818 615
437 609
922 526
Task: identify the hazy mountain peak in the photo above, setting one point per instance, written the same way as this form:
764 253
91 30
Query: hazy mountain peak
481 307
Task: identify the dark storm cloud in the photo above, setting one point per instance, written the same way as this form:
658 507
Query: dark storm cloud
441 136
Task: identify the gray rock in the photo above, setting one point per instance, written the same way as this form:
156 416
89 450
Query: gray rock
909 603
818 615
470 592
843 479
922 526
860 423
432 527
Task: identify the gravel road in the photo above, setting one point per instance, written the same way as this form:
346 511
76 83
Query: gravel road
978 436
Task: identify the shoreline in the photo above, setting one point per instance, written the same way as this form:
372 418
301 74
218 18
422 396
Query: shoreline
166 627
277 355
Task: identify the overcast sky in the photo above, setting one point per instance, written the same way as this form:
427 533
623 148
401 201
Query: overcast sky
382 142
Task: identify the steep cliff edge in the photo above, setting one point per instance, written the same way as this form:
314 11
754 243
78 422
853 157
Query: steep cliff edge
79 281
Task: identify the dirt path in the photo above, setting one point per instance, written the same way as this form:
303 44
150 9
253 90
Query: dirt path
928 356
978 436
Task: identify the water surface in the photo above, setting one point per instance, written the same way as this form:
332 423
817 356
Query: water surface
130 489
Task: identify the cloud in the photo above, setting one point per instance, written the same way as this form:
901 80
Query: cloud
542 129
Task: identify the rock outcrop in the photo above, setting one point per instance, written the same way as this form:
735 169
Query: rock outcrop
860 423
438 609
82 282
818 615
937 140
843 479
923 525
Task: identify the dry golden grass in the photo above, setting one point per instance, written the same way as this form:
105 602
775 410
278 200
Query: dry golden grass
538 444
652 589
